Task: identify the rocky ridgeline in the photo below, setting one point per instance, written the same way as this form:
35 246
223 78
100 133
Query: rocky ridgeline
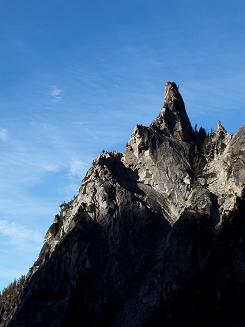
155 236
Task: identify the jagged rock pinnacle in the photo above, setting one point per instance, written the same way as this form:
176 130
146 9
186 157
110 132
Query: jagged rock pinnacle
220 127
171 94
219 140
173 119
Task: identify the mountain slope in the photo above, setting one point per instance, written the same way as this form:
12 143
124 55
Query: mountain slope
154 237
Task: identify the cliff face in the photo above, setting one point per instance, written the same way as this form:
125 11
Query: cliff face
155 236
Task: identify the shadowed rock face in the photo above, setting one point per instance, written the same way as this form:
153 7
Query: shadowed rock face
155 236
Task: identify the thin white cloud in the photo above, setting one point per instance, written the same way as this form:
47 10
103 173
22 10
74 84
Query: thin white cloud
77 167
3 134
19 235
56 93
76 171
51 168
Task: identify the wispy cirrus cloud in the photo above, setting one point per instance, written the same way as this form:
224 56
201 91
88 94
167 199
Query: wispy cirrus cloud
77 167
3 134
19 235
56 93
19 242
51 167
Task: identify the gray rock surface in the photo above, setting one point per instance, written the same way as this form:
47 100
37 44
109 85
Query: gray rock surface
155 236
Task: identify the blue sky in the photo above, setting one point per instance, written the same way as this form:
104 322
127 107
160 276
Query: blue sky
77 76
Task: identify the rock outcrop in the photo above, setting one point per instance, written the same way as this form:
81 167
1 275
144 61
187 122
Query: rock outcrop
155 236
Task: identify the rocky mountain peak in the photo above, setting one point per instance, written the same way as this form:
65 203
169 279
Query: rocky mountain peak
220 127
217 142
154 237
172 94
173 119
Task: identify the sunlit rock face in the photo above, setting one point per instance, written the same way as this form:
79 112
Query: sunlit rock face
155 236
173 119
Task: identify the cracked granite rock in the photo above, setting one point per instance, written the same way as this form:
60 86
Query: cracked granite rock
155 236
